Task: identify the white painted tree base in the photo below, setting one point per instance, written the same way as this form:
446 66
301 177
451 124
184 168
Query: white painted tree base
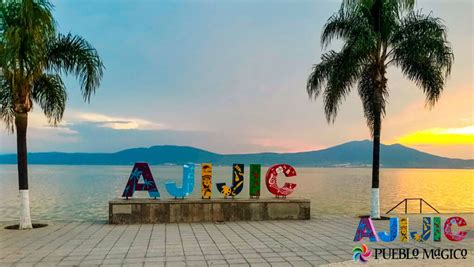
375 207
25 218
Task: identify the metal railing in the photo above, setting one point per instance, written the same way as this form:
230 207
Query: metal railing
406 205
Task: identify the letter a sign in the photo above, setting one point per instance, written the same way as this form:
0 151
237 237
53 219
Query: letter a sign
141 169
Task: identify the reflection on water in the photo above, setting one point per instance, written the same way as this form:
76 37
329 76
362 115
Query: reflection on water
82 192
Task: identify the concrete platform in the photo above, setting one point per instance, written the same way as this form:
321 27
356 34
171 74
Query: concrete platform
140 210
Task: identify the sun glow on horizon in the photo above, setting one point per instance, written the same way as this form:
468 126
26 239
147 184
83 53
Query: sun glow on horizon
440 136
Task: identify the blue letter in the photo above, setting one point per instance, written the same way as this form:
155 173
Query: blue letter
393 234
188 183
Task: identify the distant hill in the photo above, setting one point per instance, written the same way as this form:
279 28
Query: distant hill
351 154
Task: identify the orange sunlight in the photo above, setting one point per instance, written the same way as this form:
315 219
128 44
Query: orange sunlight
440 136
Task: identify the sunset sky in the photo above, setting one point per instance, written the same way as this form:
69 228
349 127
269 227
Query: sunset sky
229 77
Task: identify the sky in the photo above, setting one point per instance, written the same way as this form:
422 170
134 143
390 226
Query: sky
230 77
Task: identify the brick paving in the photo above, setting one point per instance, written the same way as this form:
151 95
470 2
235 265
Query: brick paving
319 241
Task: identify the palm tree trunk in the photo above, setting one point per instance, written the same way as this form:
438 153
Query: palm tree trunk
21 124
375 207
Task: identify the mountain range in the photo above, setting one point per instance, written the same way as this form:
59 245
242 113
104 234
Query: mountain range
351 154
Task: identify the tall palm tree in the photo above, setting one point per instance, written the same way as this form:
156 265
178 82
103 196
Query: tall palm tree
377 34
32 58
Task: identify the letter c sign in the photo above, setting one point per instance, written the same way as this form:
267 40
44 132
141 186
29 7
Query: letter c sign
271 180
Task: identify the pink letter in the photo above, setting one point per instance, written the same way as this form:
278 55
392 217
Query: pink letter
366 229
448 232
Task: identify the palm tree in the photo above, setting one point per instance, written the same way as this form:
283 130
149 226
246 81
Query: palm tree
377 34
32 58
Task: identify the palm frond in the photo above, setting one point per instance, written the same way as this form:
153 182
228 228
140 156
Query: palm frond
50 94
346 25
373 94
421 50
397 8
336 91
382 15
357 5
74 55
336 73
320 74
7 113
26 27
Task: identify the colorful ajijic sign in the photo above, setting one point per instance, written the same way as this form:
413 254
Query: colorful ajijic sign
271 180
237 182
255 171
206 181
143 170
188 183
366 229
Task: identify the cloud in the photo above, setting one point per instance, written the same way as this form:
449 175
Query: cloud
80 130
117 123
41 135
440 136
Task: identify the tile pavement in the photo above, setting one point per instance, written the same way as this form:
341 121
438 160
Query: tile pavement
319 241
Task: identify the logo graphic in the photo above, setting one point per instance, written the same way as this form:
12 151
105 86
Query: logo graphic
399 228
361 253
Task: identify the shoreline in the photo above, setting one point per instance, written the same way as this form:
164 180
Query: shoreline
230 165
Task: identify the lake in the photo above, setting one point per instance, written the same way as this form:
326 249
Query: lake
78 193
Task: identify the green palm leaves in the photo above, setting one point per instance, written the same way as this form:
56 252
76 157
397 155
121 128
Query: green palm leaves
33 57
50 94
74 55
421 50
377 34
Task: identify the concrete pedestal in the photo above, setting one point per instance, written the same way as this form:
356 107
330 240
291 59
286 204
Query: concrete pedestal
138 211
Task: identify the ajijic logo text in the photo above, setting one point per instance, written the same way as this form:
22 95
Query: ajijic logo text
400 228
141 169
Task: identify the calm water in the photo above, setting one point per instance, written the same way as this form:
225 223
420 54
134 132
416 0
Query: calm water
82 192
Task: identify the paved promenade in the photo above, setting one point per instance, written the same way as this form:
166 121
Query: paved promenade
319 241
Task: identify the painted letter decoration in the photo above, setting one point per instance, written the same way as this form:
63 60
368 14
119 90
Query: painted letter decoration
237 182
188 183
392 234
366 229
271 180
425 233
448 232
206 182
141 169
255 171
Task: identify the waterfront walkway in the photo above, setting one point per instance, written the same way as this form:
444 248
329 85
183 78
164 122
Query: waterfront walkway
319 241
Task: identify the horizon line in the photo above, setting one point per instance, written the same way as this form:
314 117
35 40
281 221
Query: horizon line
227 154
